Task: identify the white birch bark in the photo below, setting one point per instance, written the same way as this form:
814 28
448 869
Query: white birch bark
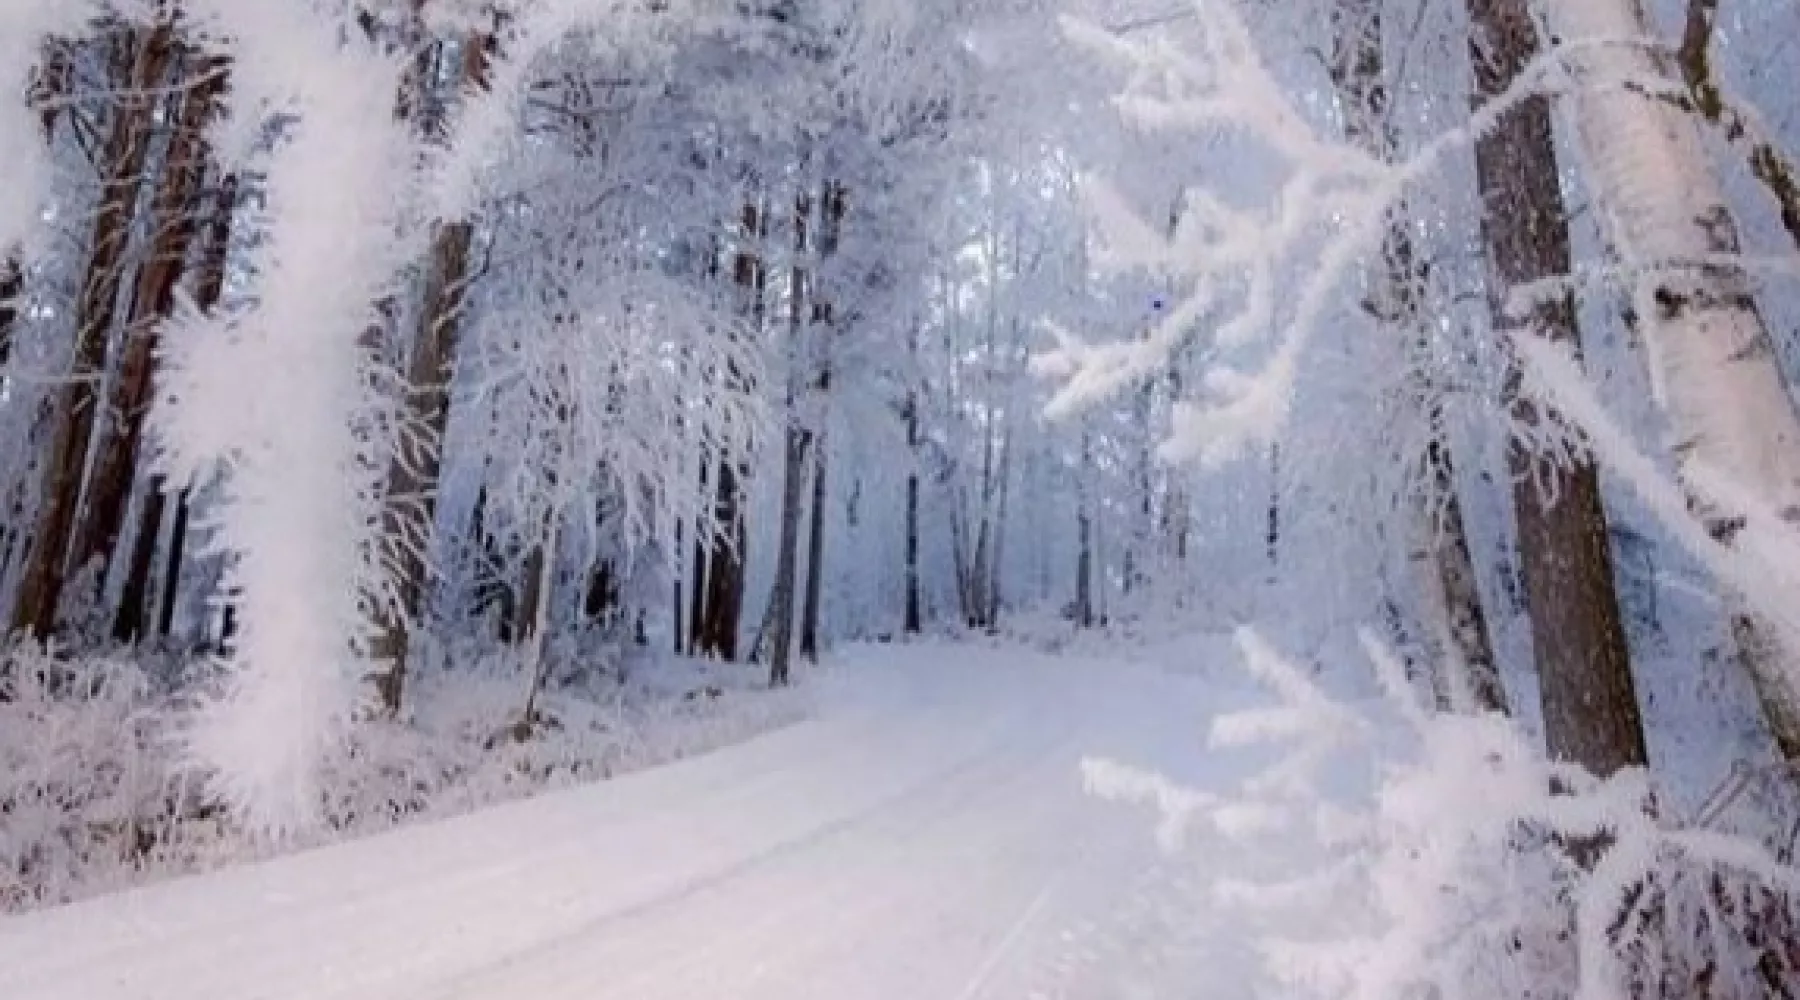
1736 431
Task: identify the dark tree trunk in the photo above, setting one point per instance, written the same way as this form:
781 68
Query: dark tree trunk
1447 567
724 604
781 592
601 601
832 208
493 594
1272 531
779 618
815 562
132 621
165 623
531 596
1590 706
677 625
409 495
696 640
173 225
12 288
913 623
1084 540
142 66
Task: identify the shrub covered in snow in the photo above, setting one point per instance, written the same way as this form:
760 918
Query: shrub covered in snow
96 792
1393 852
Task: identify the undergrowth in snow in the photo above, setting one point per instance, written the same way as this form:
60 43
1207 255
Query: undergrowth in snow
96 794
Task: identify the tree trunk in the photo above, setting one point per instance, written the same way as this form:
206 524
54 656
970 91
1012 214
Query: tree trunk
1736 430
144 61
1464 675
677 627
1589 700
493 596
724 604
12 289
912 623
1443 564
724 578
833 205
173 226
781 593
815 561
1084 540
409 495
779 619
209 288
697 571
534 609
165 622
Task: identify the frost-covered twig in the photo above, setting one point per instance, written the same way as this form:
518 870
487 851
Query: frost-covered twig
1329 212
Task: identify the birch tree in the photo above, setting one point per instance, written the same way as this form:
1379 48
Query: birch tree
1735 430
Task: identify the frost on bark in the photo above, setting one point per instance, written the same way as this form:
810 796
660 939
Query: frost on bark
1735 428
140 67
409 495
1443 566
1589 700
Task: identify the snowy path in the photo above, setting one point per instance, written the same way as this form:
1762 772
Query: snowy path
926 839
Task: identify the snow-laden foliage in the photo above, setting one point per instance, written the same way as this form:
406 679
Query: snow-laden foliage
1458 862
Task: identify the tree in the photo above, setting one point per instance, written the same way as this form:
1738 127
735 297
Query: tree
1589 699
140 66
833 205
1736 430
1443 564
409 503
173 223
778 621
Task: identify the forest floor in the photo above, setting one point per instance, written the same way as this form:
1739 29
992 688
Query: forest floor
926 836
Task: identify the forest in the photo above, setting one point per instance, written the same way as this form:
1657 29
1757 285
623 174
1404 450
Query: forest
411 406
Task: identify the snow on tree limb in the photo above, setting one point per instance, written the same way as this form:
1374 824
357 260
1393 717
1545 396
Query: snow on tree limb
276 393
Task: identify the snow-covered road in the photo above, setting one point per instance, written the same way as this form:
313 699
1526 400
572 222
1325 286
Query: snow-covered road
926 838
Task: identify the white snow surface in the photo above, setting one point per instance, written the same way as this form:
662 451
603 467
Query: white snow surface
926 836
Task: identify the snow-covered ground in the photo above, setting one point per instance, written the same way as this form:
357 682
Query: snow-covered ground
926 836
